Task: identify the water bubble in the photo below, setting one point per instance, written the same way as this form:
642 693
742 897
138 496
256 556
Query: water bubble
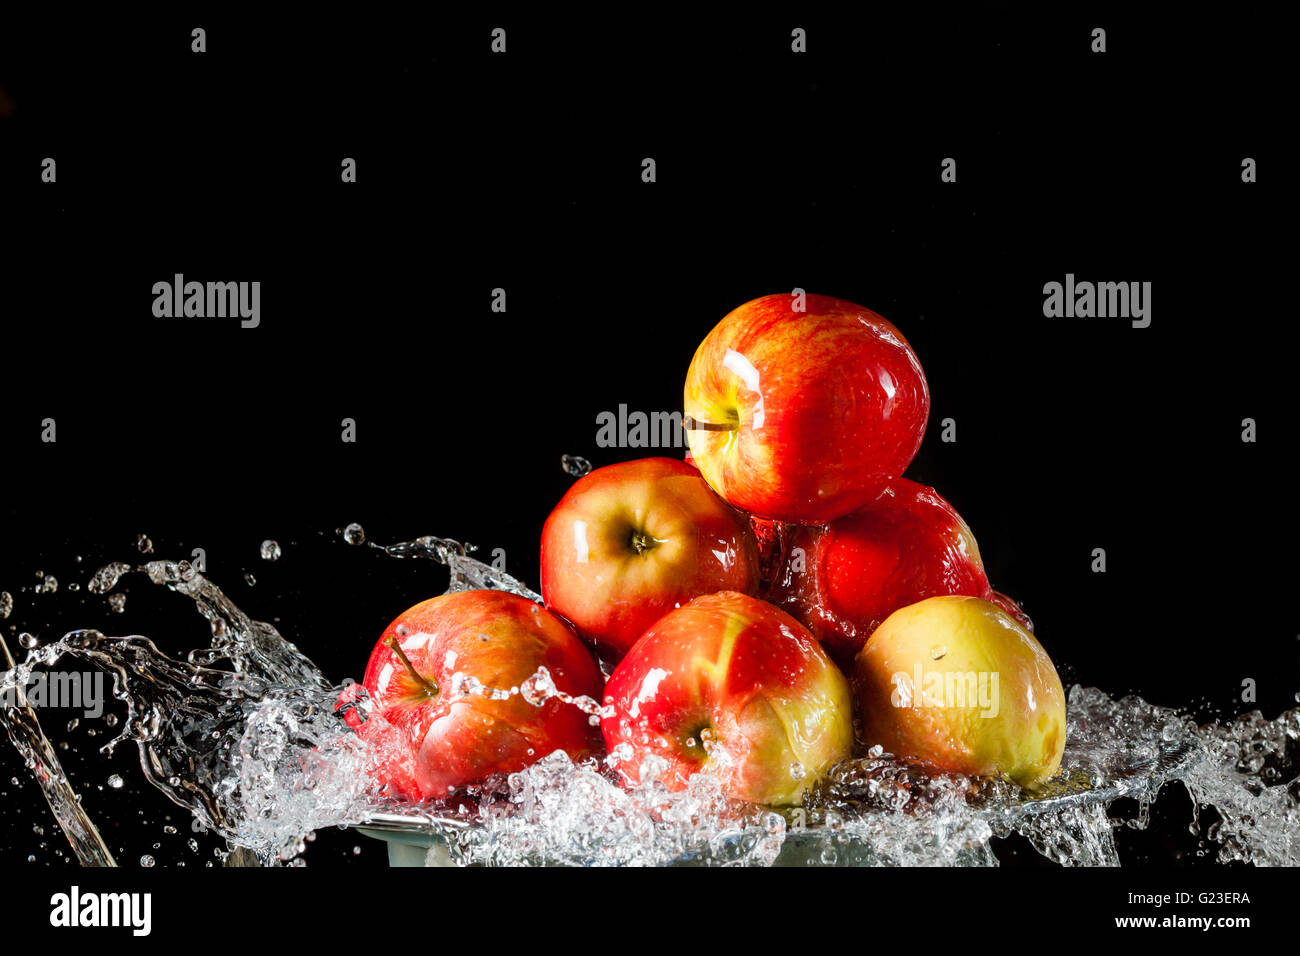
270 550
621 753
797 771
6 604
106 578
143 544
652 768
538 688
249 579
110 720
575 465
146 860
115 782
354 534
27 641
49 584
117 603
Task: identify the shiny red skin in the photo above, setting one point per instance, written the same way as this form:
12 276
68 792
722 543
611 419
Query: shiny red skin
827 404
905 545
609 591
428 743
721 663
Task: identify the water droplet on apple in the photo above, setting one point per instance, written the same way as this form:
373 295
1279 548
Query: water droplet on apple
538 688
652 768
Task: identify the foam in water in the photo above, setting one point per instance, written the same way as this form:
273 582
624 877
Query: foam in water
248 735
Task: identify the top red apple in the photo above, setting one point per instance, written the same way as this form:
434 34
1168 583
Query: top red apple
799 416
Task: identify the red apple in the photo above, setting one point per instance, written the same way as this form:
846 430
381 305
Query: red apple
730 685
843 579
798 416
632 541
429 738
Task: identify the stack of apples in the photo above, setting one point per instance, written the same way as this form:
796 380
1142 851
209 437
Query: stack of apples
780 600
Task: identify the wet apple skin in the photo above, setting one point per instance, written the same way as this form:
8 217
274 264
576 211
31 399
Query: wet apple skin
843 579
429 743
594 578
826 403
749 675
1023 740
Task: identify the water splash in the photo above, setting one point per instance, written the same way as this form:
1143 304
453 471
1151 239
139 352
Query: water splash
247 735
467 574
1248 771
575 465
24 730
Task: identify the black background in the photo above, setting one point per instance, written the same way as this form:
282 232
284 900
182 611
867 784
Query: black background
522 171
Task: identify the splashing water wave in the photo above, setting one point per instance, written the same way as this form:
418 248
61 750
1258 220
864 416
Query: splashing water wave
247 735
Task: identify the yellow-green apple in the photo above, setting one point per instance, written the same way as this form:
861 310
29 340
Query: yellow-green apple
798 415
732 686
843 579
958 682
632 541
430 736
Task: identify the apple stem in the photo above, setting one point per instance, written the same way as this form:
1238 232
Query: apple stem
430 686
694 424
